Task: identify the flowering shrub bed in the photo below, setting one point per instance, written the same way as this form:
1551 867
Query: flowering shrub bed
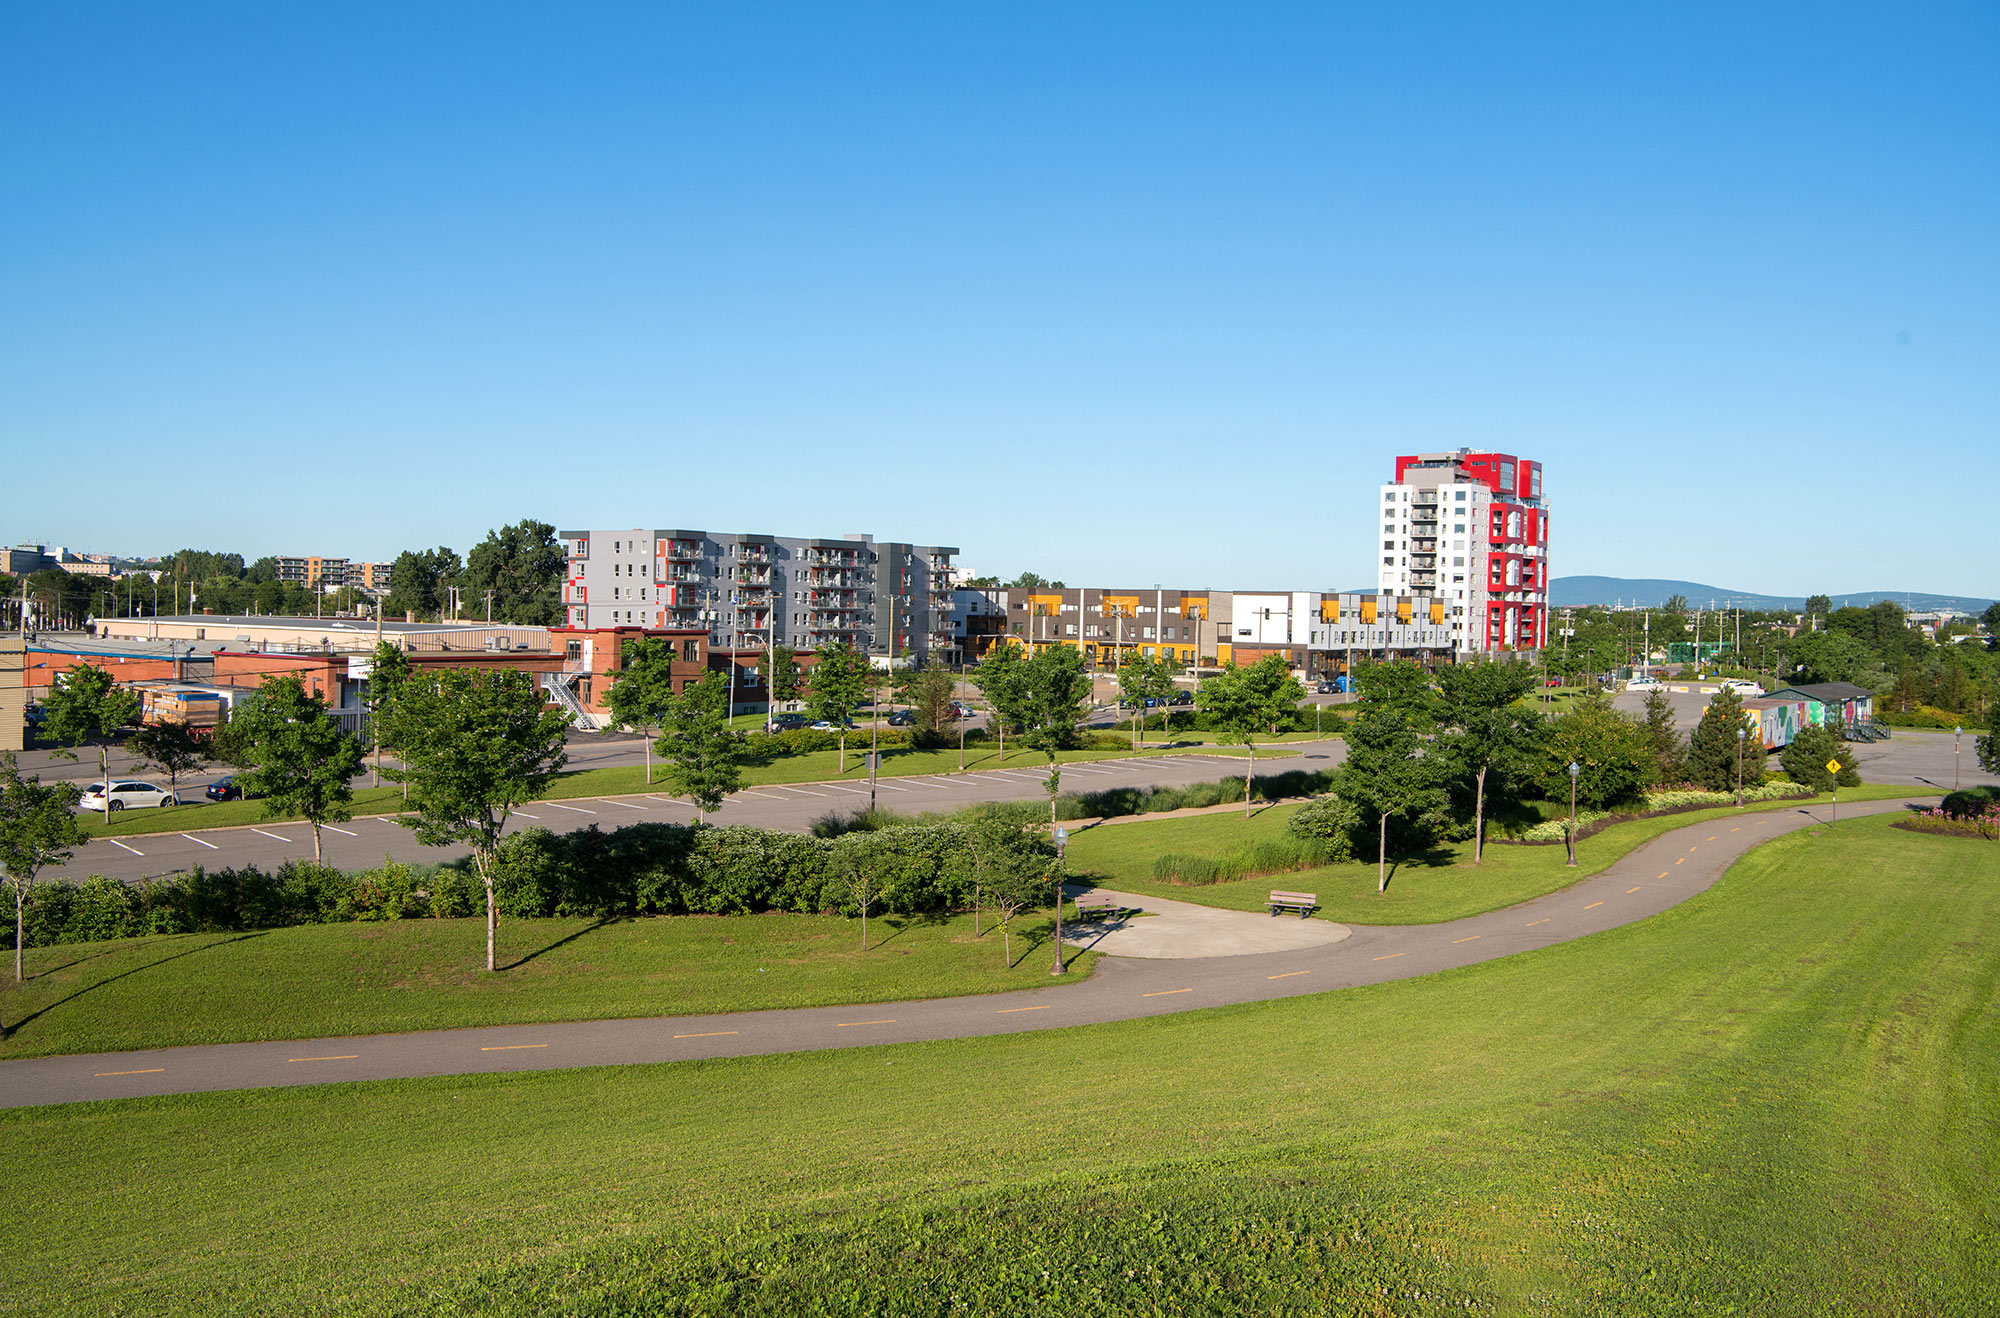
1984 824
1661 802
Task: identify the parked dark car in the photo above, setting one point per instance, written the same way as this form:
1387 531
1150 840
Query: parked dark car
902 718
225 789
1181 698
786 722
1327 688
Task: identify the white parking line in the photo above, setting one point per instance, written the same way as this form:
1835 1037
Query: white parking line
271 835
551 805
116 843
198 842
523 814
1078 768
800 790
343 832
666 800
605 800
891 787
838 788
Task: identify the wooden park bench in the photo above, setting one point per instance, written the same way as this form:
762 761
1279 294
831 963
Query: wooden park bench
1305 903
1089 908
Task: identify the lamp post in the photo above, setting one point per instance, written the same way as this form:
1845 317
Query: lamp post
1956 733
1062 842
1742 735
1575 770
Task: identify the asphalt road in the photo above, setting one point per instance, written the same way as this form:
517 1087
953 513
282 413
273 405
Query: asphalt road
364 842
1656 876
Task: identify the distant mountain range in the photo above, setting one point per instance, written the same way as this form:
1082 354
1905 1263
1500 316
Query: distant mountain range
1649 593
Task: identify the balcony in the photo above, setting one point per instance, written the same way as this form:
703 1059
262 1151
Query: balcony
683 551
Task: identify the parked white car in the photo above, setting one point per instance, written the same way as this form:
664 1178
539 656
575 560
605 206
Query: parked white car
1748 690
1645 684
127 793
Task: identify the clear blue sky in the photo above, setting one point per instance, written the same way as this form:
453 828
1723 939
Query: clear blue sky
1119 293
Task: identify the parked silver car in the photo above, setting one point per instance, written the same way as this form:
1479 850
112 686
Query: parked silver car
124 793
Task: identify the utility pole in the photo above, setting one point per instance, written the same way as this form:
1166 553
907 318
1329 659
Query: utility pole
489 607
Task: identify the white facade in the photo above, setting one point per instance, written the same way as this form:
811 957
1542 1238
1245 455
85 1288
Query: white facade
1470 528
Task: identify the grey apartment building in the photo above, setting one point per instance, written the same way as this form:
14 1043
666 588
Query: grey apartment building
882 598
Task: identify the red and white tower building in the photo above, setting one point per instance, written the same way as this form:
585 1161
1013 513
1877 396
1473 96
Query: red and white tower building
1471 529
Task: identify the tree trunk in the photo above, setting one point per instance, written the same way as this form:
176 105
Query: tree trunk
316 855
20 899
843 750
975 910
649 761
1382 857
1135 725
484 865
864 919
1249 767
1006 940
104 772
1479 818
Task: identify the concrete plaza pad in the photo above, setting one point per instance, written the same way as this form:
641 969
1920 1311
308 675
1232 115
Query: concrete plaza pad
1169 929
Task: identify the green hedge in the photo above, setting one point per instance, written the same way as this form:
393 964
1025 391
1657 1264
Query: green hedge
1279 855
641 869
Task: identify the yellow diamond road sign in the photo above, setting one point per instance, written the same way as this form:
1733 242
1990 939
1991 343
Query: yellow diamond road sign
1833 766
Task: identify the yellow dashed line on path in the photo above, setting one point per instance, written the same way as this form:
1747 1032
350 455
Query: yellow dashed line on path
1165 993
151 1070
711 1034
1593 906
344 1057
1391 957
1694 849
1682 861
1468 938
1004 1010
841 1025
1661 875
1532 923
1288 974
1711 838
1736 830
509 1047
1629 891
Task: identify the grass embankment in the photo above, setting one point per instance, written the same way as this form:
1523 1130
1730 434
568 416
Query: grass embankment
1441 884
1780 1098
628 779
398 975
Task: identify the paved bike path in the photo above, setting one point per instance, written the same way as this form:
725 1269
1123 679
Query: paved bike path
1658 875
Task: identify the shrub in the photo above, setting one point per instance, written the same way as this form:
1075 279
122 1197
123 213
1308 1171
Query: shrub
1969 802
1331 822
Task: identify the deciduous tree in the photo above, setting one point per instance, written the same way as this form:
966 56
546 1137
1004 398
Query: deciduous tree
1000 678
171 747
85 703
1245 703
642 691
1010 866
38 827
298 761
1615 763
1485 728
784 673
839 680
703 756
1387 774
1144 678
522 565
475 743
1054 690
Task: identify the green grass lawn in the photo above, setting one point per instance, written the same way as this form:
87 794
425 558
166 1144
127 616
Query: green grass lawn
397 975
1442 885
813 766
1780 1098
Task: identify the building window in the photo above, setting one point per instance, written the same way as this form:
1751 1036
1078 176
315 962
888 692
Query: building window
690 650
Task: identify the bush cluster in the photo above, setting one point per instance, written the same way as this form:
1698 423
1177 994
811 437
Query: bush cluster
1969 802
1984 823
641 869
1923 716
214 901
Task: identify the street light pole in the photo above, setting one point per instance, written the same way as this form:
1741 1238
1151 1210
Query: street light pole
1956 733
1062 842
1742 735
1575 770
